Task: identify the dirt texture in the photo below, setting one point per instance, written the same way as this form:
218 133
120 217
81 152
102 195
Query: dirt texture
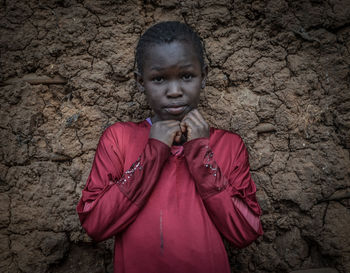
279 77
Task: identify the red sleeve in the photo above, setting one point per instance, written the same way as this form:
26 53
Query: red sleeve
112 198
229 198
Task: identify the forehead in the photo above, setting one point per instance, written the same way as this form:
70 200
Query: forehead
166 55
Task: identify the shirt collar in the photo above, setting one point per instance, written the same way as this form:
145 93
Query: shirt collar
149 121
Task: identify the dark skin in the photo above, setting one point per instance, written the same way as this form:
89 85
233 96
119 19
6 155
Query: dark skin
172 79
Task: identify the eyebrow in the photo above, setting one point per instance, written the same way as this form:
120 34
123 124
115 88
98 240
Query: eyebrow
158 68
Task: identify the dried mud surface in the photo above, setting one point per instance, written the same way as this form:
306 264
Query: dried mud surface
279 76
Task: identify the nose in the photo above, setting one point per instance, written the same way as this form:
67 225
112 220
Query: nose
174 89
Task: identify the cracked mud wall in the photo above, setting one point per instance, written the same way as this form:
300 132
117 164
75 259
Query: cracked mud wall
279 76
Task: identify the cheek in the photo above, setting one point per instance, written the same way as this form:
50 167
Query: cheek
194 86
153 89
194 91
152 99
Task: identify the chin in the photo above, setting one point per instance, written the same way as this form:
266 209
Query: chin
179 117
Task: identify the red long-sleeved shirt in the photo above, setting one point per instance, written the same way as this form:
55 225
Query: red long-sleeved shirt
166 206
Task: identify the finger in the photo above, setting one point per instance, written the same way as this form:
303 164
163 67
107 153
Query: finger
177 138
188 114
190 125
173 136
169 122
199 116
194 119
196 115
183 127
171 126
174 130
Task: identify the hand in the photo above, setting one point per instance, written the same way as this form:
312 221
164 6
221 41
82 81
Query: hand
195 125
166 131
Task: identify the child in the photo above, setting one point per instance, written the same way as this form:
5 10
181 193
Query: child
168 187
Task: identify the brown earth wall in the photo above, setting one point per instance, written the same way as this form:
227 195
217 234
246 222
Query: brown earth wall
279 77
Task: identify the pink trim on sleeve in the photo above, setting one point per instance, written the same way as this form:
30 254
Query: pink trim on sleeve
251 218
87 206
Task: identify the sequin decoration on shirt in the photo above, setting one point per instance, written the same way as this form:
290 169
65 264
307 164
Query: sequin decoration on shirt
128 174
209 162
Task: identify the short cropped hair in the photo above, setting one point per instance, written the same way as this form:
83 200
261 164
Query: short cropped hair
167 32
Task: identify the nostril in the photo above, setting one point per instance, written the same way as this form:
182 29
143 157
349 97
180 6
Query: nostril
174 90
175 94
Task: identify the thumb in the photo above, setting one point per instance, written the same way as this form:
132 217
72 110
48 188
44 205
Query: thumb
183 127
177 137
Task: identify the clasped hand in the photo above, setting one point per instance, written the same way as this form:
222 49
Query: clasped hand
192 126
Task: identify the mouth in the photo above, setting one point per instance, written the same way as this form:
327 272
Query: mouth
175 109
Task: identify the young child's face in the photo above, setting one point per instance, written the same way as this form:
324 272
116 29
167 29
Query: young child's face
172 79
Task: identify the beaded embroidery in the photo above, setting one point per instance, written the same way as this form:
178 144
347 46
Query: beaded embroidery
128 174
212 167
209 163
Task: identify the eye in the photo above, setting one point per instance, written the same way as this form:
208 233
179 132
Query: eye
158 79
187 77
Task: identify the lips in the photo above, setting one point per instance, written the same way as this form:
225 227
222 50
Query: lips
175 109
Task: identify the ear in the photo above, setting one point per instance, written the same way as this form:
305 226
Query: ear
204 76
139 81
